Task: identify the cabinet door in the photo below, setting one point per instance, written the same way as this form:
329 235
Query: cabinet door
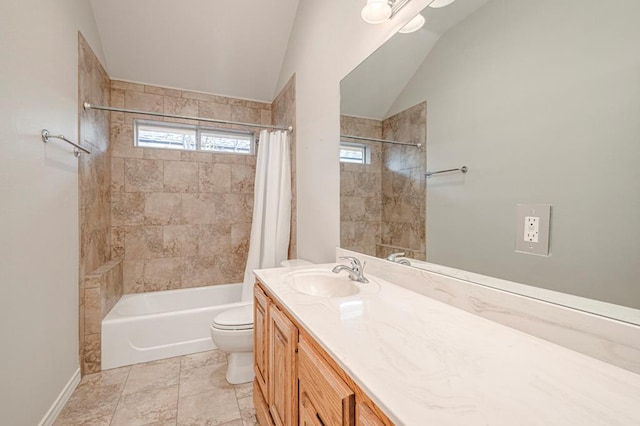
282 371
366 416
260 338
331 397
308 414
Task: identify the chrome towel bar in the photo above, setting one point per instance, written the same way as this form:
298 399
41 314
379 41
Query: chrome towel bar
463 169
46 136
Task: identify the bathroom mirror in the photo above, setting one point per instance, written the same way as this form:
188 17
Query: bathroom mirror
541 101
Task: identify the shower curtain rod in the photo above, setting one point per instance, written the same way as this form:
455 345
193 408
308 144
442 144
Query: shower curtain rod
417 145
88 106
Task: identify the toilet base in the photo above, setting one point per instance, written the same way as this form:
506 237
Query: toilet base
240 368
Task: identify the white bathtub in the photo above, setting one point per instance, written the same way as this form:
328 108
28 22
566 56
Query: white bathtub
148 326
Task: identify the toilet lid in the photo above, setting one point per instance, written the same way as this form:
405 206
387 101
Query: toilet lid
240 318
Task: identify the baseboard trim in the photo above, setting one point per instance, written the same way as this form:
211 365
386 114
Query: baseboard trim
61 400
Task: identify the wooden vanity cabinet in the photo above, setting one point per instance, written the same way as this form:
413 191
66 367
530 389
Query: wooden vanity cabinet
297 383
333 400
260 338
282 382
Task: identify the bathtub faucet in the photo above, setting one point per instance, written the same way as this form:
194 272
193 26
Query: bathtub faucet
356 270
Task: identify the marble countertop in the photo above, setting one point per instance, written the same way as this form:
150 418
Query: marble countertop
426 362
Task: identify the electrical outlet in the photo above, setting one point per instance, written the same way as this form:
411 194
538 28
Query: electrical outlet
531 229
533 225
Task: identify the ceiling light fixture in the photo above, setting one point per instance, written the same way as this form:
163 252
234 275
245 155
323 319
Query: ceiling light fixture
413 25
440 3
378 11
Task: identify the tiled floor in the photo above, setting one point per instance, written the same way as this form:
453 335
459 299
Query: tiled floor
187 390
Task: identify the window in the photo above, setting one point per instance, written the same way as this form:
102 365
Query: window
158 134
358 153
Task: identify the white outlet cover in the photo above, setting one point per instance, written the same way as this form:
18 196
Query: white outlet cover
532 228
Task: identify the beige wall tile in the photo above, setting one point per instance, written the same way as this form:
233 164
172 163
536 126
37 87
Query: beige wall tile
215 177
235 208
214 110
180 106
92 311
117 98
143 242
181 240
163 91
125 85
242 178
161 154
163 273
161 208
212 239
133 276
143 101
200 209
181 176
201 271
200 157
117 174
143 175
206 97
91 354
127 208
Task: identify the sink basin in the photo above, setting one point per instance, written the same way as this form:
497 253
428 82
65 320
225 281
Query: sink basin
323 284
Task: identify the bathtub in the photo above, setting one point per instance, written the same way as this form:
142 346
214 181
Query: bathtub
149 326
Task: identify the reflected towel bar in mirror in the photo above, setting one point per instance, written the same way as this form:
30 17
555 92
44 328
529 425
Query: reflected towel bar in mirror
463 169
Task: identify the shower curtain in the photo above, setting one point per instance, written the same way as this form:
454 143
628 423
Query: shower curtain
270 229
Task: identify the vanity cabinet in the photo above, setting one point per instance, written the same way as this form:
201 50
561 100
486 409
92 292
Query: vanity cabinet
282 374
297 382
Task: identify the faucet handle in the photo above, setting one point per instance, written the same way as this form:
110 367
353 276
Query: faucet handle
355 263
392 256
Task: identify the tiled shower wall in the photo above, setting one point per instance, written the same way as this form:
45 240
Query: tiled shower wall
283 114
383 204
100 281
180 219
361 191
404 188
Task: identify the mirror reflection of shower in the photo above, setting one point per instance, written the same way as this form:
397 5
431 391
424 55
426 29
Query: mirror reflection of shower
383 201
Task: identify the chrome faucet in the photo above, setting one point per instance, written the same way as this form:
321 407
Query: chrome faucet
356 270
392 258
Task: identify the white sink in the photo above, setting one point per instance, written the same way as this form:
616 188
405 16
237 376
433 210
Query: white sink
322 283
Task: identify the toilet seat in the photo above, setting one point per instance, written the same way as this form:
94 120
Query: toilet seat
240 318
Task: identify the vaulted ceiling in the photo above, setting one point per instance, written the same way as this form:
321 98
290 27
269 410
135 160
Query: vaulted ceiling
232 48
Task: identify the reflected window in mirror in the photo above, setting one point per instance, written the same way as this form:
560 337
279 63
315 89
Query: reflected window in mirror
358 153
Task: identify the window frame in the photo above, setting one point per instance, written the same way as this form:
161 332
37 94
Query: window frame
198 133
366 152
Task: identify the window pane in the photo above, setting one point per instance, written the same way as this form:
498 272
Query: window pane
159 136
354 153
225 142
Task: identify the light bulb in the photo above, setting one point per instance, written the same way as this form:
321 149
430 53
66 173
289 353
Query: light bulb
440 3
413 25
376 11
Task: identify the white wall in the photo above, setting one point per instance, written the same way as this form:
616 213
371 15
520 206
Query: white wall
39 202
328 40
541 100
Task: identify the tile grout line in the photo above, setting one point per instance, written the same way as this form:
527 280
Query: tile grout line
113 415
179 381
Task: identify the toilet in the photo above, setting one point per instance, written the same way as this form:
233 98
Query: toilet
232 332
